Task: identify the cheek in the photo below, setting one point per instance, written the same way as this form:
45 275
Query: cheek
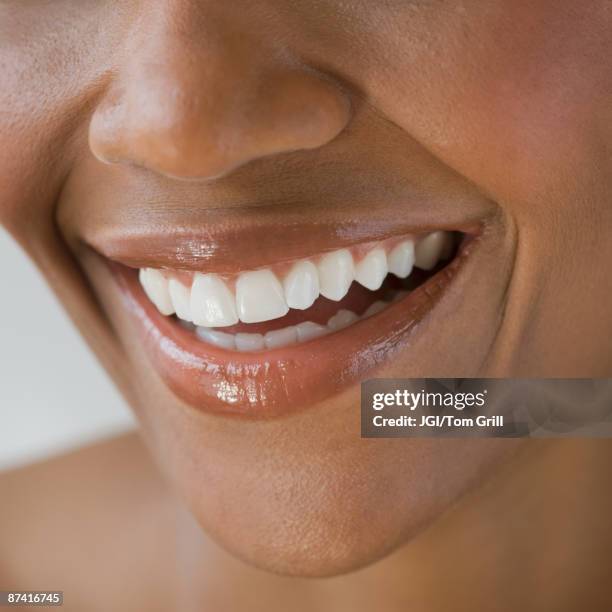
513 95
51 59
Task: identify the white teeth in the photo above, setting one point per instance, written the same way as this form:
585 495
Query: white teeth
301 285
257 342
287 336
372 269
374 308
281 337
342 319
212 303
429 250
155 286
309 330
336 273
260 297
181 299
249 342
217 338
401 259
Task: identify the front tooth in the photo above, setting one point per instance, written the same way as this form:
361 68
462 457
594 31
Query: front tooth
309 330
155 286
281 337
212 303
249 342
216 338
401 259
301 285
259 297
181 299
342 319
336 273
429 250
372 269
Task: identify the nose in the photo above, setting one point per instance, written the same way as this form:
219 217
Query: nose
196 98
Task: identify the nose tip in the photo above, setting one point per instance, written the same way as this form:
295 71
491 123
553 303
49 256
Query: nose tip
202 123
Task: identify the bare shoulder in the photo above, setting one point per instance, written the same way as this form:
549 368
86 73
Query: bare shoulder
81 478
79 515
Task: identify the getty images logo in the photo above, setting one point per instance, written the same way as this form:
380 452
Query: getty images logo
411 400
486 407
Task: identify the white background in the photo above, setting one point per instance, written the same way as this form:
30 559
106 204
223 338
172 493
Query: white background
53 394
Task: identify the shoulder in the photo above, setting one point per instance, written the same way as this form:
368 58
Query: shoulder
60 514
87 475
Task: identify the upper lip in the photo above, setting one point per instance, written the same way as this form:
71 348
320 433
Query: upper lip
225 228
247 244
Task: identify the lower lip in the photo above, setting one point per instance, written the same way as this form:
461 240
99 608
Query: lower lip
276 382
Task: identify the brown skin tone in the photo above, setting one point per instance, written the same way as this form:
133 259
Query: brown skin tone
500 108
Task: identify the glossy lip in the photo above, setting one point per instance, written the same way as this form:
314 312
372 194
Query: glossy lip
273 383
242 243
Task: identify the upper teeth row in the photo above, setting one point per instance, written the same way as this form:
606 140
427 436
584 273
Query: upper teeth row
259 295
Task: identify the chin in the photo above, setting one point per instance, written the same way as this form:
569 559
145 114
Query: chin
316 501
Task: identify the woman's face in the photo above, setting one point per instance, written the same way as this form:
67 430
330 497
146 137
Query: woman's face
219 138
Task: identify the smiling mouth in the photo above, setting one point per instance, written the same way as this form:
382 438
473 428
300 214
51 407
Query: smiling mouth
295 302
266 342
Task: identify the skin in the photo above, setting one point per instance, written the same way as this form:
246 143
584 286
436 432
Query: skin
500 108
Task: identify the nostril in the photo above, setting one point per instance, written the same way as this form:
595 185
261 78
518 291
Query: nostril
206 128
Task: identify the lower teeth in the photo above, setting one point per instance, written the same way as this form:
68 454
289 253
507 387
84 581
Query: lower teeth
287 336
